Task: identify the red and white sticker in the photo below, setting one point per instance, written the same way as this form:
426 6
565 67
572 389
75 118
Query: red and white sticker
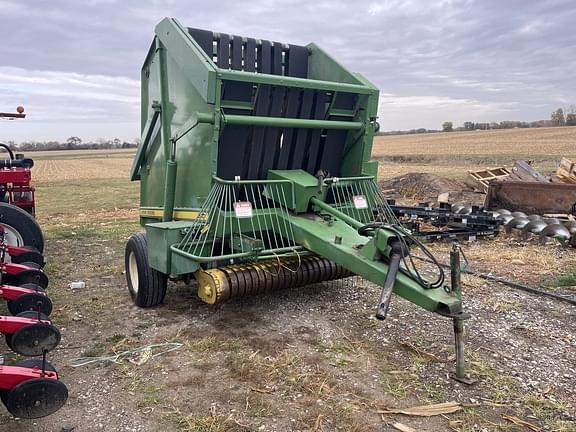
360 201
243 209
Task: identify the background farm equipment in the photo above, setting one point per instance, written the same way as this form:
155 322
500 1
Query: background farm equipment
17 201
31 388
447 221
255 175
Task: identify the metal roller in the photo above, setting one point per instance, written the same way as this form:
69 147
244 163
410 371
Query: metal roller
240 280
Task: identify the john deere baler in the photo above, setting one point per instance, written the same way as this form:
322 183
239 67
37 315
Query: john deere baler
255 174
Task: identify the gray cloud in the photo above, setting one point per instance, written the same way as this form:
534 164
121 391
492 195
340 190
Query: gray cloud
75 65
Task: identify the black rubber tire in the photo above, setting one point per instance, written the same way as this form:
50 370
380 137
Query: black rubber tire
149 287
35 398
34 315
34 276
32 363
29 256
21 221
29 302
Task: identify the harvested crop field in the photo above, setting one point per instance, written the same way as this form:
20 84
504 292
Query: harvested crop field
54 170
306 359
545 141
453 154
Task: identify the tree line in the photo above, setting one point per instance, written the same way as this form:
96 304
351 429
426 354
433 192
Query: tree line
558 118
73 143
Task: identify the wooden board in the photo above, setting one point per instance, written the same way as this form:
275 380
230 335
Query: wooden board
488 175
566 172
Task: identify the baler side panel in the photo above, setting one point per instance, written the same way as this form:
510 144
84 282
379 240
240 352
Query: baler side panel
153 170
193 150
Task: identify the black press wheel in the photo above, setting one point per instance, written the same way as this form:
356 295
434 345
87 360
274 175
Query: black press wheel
34 315
20 228
31 255
34 339
36 398
30 302
34 363
146 286
26 314
30 276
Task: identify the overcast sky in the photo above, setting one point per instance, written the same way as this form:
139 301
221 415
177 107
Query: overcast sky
75 64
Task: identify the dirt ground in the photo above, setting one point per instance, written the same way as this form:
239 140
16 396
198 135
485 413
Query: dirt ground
305 359
308 359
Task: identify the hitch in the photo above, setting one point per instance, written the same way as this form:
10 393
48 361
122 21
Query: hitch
397 251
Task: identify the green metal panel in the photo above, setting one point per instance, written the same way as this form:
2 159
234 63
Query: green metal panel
161 236
198 68
303 188
319 235
322 66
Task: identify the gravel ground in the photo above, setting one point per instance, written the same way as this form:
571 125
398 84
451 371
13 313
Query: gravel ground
306 359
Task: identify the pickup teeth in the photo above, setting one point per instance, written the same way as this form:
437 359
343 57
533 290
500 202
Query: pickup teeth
224 283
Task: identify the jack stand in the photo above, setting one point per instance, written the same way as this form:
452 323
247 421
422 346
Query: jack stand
455 274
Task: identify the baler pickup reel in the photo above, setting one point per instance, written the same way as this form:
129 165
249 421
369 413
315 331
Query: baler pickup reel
295 229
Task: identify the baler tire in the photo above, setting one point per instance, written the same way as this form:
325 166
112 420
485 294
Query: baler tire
22 222
147 286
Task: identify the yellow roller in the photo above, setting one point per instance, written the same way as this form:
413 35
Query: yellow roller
220 284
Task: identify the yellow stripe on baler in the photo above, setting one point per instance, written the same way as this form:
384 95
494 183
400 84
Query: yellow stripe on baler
177 214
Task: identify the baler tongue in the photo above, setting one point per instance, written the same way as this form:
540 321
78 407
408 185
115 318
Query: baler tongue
256 175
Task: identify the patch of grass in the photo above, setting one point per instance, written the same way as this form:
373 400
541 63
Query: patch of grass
80 154
96 350
566 279
214 344
544 407
149 393
396 386
196 423
432 393
112 231
79 196
114 339
258 406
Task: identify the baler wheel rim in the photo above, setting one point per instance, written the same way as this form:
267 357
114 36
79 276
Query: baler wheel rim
133 269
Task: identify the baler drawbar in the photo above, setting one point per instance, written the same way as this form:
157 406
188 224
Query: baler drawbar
255 174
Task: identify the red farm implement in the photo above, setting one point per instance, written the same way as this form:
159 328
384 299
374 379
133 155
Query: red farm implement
30 388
